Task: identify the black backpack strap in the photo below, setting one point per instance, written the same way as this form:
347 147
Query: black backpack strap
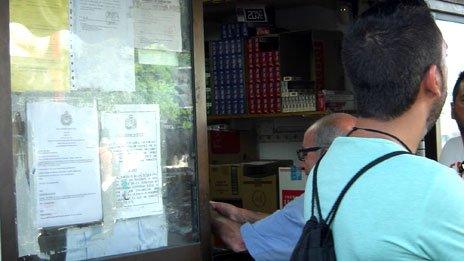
315 193
333 211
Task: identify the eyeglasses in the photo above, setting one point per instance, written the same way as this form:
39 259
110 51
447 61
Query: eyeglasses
304 151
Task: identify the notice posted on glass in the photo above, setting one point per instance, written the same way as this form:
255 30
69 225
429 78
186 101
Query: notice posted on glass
64 163
157 25
102 36
132 134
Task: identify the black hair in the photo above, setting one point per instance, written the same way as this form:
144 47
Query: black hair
457 85
386 52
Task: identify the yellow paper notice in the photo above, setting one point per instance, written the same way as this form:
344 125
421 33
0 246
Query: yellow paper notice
39 45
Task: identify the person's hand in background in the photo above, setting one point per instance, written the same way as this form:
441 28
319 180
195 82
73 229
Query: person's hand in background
227 230
239 215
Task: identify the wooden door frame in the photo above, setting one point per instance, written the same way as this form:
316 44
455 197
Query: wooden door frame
9 237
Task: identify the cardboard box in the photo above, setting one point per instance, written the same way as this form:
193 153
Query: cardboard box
244 147
224 181
292 183
253 184
259 185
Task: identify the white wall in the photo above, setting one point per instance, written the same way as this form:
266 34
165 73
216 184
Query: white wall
281 150
280 138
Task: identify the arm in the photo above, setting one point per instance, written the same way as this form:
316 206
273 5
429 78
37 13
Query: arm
228 231
239 215
269 238
275 237
226 220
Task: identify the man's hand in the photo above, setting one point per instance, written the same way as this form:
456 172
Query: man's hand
228 231
239 215
229 211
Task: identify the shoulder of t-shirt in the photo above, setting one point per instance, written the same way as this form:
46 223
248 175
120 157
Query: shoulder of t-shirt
426 165
446 187
447 190
442 177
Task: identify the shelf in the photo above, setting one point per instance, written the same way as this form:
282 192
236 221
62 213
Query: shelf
308 114
274 3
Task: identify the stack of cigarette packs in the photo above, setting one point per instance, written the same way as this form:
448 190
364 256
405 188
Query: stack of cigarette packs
263 78
227 70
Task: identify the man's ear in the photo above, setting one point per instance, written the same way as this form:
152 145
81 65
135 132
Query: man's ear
453 114
432 81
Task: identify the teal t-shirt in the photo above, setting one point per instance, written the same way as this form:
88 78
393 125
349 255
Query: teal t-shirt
405 208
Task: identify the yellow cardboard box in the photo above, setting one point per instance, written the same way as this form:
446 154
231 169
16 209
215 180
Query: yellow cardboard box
260 185
224 181
251 185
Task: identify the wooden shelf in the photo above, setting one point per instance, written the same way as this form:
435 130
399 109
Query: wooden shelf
314 114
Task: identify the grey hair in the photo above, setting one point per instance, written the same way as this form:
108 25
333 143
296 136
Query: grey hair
329 128
326 134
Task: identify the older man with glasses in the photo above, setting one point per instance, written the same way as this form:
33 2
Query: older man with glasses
320 135
273 237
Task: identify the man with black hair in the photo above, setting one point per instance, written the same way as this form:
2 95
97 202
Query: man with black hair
406 207
453 152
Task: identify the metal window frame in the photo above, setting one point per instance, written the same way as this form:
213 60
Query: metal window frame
9 237
447 10
455 7
7 181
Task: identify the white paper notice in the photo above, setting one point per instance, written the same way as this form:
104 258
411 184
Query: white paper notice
64 163
102 45
132 133
157 25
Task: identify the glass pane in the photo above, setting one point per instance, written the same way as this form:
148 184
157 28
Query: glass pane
103 116
452 32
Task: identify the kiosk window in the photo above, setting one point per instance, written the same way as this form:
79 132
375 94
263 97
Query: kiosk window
104 137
